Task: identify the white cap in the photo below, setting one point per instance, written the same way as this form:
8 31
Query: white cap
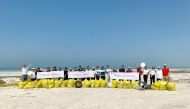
159 67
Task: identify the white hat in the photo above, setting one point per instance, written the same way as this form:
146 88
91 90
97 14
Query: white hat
159 67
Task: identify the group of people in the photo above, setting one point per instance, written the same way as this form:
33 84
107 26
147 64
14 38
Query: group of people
155 74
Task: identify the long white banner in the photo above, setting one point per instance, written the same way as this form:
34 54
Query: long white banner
52 74
81 74
125 76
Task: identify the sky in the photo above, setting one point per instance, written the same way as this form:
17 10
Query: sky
94 32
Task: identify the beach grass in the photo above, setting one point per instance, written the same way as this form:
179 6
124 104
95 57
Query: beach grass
4 84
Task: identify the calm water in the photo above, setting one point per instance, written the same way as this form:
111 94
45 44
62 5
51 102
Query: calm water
16 69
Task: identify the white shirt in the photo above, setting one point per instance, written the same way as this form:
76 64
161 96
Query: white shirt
145 72
109 70
159 74
152 72
25 70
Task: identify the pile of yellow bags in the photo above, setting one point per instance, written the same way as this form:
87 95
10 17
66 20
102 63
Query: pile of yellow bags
163 85
71 83
94 83
47 83
60 83
124 84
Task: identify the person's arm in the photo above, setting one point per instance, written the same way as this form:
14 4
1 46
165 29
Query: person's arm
28 66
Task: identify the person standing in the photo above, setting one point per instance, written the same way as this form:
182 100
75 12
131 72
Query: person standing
152 75
122 69
159 74
139 70
48 69
54 69
66 73
145 74
80 68
34 75
108 71
129 70
114 70
166 72
25 72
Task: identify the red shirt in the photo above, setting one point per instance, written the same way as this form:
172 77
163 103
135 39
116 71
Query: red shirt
139 71
129 71
165 71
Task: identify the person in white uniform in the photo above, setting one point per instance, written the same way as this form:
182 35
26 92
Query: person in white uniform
25 72
145 74
152 75
159 74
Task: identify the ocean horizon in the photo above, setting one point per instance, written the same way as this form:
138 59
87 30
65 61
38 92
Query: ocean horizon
18 69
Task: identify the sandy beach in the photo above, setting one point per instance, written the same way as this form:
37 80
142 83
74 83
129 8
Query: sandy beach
98 98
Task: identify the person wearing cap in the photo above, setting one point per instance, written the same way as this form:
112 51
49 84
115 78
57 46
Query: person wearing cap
129 70
166 72
159 74
152 75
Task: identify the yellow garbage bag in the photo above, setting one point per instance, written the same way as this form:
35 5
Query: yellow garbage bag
104 83
157 84
21 85
64 84
154 87
86 83
135 84
97 83
163 85
44 83
51 83
115 83
29 85
92 83
119 84
71 83
38 84
58 83
171 86
126 84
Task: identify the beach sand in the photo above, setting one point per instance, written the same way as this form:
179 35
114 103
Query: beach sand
98 98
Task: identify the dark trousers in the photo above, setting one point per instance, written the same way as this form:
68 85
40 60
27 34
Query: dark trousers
24 77
158 79
145 77
139 77
33 79
152 79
